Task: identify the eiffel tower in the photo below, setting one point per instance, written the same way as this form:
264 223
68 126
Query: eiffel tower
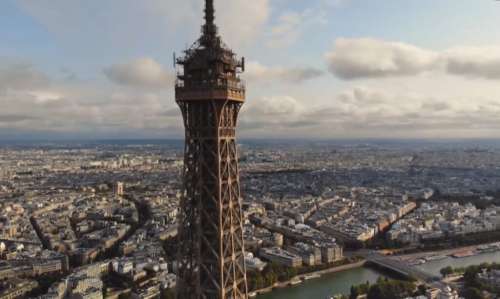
209 92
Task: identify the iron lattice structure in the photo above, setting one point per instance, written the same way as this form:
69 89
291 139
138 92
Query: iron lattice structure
209 92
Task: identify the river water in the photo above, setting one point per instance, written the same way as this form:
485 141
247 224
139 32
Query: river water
435 266
328 285
340 283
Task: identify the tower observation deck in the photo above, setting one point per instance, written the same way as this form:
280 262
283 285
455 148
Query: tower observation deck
210 94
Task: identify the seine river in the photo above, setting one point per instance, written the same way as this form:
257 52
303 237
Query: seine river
328 285
340 283
435 266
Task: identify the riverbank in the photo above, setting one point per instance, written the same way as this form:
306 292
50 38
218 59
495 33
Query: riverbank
434 267
327 285
445 253
303 277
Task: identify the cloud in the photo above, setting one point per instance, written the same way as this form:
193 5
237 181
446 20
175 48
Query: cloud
290 26
275 106
241 21
259 72
14 118
366 112
21 76
287 30
144 72
474 62
372 58
36 105
436 106
90 110
272 114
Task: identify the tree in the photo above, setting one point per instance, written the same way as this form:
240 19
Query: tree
446 271
259 282
168 294
473 293
470 276
354 293
359 290
291 272
271 278
375 292
391 289
421 290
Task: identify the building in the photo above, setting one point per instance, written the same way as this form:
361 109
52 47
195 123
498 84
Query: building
49 266
120 189
280 256
210 94
331 253
254 263
448 293
310 255
491 278
17 288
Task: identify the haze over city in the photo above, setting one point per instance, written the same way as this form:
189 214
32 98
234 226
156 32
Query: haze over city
318 69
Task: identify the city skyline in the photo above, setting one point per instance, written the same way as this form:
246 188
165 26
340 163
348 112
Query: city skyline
321 69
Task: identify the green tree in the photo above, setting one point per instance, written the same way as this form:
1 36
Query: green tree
391 289
473 293
259 282
421 290
375 292
470 276
447 271
291 273
354 293
168 294
271 278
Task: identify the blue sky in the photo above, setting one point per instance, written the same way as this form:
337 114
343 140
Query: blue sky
318 68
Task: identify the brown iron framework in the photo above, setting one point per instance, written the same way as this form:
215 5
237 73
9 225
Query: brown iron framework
210 94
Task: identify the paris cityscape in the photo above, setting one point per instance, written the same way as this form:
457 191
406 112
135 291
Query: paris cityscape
87 219
352 152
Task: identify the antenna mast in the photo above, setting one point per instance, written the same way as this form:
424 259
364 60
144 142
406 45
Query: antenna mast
209 29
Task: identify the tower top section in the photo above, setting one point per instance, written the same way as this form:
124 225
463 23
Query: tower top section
209 69
209 29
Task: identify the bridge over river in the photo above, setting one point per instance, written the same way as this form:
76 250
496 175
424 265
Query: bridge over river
400 267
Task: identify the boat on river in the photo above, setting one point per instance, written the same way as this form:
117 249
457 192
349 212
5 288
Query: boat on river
436 258
464 254
311 276
295 281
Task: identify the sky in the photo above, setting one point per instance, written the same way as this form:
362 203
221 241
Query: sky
319 69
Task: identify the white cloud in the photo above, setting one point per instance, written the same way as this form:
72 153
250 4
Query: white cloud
272 116
369 58
274 106
481 62
369 112
24 76
372 58
32 106
143 72
291 25
287 30
258 72
90 109
242 21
